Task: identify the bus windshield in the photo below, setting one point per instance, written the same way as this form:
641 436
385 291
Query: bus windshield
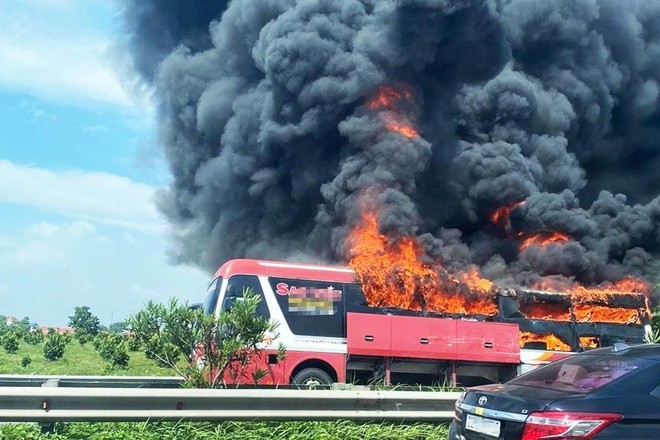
212 296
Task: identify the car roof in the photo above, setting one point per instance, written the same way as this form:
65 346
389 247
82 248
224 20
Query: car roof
648 351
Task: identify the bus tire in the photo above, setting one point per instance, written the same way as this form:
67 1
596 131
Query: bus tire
311 377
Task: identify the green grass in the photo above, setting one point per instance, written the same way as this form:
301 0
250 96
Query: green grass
227 431
83 360
77 360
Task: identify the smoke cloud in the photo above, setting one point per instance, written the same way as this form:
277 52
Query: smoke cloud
264 120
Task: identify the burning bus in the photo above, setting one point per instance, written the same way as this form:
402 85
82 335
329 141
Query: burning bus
398 313
336 330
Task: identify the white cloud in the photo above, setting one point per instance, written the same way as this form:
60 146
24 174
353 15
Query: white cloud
67 232
94 197
36 254
44 244
51 49
52 267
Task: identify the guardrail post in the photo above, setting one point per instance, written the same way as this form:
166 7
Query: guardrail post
48 427
388 371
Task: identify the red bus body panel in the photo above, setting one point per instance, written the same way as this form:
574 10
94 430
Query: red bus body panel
280 373
432 338
369 335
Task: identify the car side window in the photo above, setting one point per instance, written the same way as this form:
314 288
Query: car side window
239 284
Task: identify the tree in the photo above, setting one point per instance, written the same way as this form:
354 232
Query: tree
25 324
85 324
206 350
118 327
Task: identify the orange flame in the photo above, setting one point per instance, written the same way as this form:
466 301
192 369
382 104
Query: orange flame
402 128
500 216
593 304
388 97
472 279
589 342
624 285
388 100
392 274
601 292
544 239
552 341
549 311
615 315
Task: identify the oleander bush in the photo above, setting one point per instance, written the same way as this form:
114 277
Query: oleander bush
207 351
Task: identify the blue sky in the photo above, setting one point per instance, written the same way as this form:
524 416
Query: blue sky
79 164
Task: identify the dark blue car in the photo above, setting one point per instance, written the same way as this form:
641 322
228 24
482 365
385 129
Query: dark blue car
608 393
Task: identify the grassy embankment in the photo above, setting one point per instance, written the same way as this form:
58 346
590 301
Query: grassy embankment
84 360
77 360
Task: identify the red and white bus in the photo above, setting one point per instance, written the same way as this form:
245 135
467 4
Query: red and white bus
331 335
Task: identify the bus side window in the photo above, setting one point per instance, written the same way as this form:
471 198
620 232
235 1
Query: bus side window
235 288
311 307
355 300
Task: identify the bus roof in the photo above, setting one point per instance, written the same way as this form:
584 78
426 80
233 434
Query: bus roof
335 274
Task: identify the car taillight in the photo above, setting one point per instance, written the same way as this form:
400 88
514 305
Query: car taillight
566 425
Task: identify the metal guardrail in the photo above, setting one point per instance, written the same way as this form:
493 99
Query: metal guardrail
53 404
30 380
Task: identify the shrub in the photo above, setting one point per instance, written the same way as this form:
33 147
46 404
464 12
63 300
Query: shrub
10 342
27 360
112 347
54 345
33 337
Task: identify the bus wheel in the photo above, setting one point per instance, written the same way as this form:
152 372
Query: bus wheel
311 377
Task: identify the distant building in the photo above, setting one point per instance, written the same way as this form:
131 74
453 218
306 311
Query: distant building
61 330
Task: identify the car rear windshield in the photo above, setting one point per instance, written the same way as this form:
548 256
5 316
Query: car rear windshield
581 373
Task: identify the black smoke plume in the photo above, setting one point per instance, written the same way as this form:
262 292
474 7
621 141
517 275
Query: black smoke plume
264 121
